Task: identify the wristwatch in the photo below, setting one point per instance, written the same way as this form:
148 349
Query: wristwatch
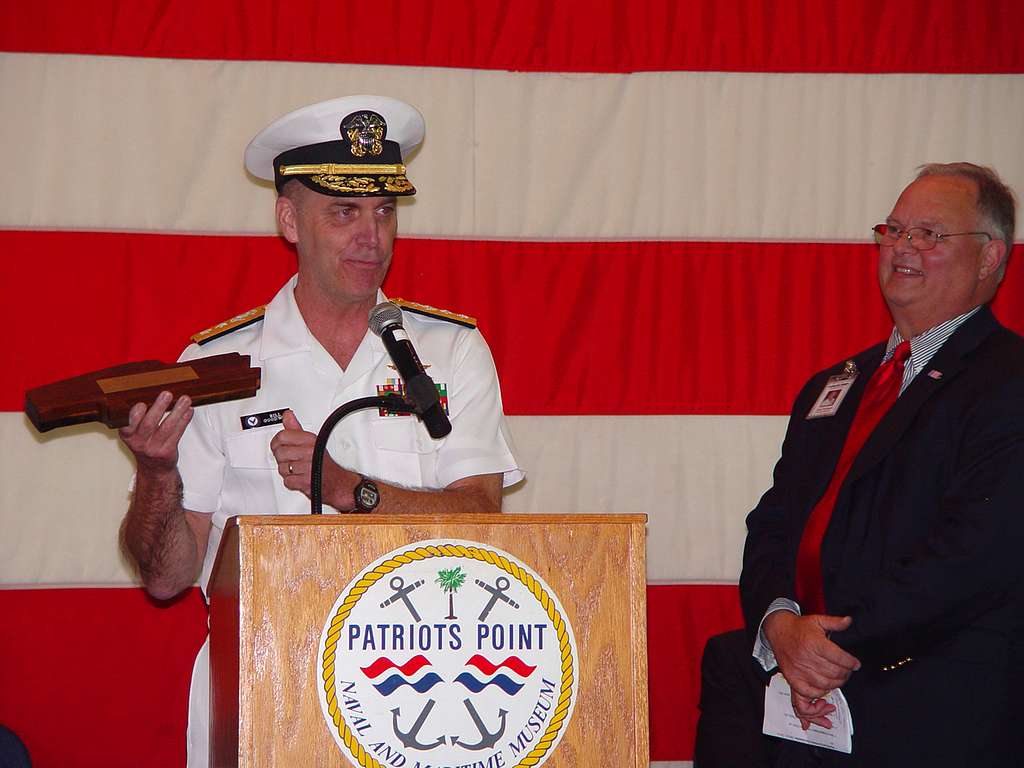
367 497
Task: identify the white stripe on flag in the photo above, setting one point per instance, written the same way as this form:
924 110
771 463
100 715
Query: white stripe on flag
145 144
696 477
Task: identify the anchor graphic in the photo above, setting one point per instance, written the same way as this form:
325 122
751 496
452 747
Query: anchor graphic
497 592
487 739
409 739
402 593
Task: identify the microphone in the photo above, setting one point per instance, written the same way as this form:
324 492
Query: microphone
386 322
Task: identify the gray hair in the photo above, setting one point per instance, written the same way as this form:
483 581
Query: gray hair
291 191
996 203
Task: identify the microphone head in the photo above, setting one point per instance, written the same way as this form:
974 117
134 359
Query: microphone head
384 315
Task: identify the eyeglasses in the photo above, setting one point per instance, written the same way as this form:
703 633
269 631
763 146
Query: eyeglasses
919 238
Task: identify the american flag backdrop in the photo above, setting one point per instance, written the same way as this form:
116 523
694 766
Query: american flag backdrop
658 211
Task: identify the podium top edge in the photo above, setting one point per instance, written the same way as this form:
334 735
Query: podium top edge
452 519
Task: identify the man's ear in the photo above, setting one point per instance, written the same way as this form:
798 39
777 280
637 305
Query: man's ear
993 256
286 219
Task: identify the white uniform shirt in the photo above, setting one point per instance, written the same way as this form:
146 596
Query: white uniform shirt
227 470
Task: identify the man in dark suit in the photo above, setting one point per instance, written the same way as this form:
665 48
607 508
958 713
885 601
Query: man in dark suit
910 596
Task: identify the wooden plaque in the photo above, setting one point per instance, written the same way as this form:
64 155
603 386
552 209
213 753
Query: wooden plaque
107 395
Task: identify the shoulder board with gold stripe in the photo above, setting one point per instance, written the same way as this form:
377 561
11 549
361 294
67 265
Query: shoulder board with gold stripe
440 314
238 321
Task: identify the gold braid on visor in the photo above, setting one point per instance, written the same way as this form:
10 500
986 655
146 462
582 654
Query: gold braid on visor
338 169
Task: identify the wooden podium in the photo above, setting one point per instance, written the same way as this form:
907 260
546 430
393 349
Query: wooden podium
277 580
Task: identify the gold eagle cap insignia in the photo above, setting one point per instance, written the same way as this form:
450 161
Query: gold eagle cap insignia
365 132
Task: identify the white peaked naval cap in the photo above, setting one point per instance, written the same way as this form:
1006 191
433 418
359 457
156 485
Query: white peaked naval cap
351 146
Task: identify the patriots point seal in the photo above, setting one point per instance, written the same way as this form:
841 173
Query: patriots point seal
447 654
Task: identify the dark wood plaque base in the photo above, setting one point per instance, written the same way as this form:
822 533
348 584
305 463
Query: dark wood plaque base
107 395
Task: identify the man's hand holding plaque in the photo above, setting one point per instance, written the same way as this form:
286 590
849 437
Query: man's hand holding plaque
108 395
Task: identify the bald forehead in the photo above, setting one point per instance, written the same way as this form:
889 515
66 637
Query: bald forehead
948 184
938 199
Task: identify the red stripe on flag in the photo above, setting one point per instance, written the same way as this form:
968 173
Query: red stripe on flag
680 619
575 328
537 35
96 677
109 669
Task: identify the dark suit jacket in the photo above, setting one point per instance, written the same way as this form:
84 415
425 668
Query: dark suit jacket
925 550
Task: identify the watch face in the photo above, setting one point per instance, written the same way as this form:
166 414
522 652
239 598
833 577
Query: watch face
367 495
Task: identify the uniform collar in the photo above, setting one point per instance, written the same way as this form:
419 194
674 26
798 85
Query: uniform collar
285 332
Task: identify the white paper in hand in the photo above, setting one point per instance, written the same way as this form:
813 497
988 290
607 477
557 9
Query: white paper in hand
780 719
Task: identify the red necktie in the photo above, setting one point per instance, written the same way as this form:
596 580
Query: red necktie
879 395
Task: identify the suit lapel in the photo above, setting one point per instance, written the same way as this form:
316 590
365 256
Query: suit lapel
950 360
838 426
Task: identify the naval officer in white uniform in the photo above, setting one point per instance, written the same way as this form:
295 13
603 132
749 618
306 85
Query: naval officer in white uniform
338 168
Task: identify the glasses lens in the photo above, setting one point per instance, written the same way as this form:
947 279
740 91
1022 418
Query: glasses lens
884 234
923 239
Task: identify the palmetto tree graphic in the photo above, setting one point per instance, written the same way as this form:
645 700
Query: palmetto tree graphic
450 580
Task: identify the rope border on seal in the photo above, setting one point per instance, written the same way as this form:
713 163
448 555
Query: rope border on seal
561 710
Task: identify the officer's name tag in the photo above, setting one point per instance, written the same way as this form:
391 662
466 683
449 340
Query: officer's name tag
265 419
832 395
